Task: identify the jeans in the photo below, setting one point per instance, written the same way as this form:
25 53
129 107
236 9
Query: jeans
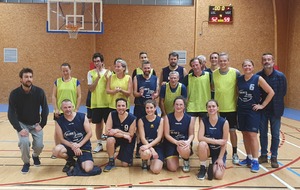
24 142
275 123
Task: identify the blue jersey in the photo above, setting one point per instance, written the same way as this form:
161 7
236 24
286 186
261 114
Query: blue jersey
151 128
73 131
167 70
125 125
149 86
215 132
249 92
179 130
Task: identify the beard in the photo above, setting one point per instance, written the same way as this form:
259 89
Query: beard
173 64
27 84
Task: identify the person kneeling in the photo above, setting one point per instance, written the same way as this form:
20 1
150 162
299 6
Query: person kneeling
74 133
120 131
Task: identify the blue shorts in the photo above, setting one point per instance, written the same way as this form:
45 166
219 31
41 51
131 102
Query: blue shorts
214 154
160 151
249 120
126 149
100 113
231 117
86 155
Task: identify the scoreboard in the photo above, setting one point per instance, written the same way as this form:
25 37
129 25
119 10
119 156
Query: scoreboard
220 14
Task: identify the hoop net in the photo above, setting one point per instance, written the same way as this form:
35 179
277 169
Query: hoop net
72 30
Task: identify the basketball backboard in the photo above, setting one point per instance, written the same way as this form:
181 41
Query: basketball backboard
86 14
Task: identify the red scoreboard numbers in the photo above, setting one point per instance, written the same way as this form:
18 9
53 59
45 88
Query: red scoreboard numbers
220 14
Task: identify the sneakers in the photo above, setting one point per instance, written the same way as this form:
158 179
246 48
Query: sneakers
254 166
144 164
36 160
246 162
274 163
98 148
68 165
210 172
25 168
137 154
109 166
235 158
263 159
202 172
186 166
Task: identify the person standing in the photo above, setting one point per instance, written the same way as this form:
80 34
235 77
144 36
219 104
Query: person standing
120 131
119 84
225 87
139 70
74 133
214 65
273 111
170 91
249 111
212 136
198 85
179 135
99 98
173 66
24 115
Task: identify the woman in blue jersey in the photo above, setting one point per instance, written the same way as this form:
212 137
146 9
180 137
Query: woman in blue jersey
249 88
151 133
179 134
212 136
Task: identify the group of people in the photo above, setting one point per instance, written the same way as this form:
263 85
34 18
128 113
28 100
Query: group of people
220 97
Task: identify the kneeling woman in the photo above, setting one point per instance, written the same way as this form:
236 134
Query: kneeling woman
179 134
212 136
151 132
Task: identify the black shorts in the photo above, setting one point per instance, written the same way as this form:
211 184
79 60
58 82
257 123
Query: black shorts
171 149
126 149
197 114
231 117
100 113
88 105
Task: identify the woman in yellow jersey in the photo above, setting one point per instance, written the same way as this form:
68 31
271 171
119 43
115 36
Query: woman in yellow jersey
119 84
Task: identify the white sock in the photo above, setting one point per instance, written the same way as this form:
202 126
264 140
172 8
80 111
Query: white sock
250 156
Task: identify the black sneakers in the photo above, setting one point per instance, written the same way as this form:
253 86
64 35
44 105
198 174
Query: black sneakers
68 165
25 168
36 160
202 172
210 172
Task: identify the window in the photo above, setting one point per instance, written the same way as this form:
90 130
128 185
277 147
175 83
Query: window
10 55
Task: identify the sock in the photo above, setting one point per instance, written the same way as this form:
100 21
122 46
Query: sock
203 163
250 156
112 159
256 159
234 150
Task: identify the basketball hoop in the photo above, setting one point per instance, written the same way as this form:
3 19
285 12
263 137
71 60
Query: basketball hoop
72 30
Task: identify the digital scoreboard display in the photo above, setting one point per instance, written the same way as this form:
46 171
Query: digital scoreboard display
220 14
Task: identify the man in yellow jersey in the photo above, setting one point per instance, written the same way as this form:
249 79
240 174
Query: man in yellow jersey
198 89
99 99
169 92
225 86
139 71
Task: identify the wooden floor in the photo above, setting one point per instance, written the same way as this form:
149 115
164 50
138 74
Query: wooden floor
49 175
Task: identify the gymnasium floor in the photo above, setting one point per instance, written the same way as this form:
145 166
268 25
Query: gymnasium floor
49 175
